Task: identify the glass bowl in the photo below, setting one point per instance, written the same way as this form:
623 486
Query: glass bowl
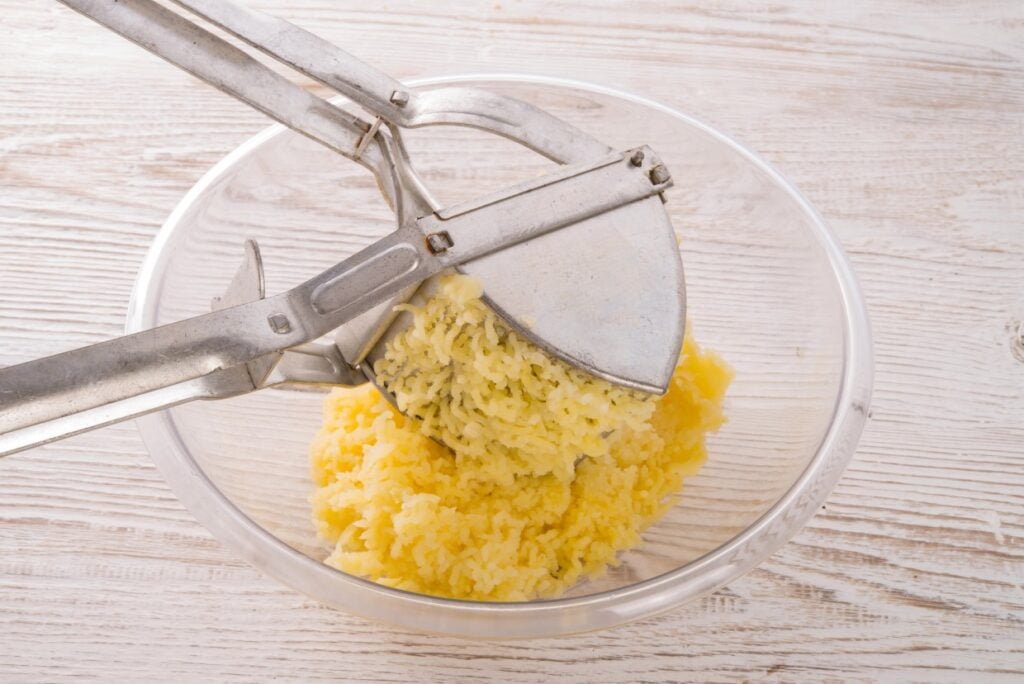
768 286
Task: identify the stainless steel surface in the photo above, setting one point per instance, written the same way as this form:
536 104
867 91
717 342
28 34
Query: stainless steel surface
313 364
582 261
237 349
608 292
381 94
231 70
645 299
248 283
401 107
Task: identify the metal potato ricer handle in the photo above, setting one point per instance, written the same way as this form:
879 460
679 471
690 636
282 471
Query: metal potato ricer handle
603 207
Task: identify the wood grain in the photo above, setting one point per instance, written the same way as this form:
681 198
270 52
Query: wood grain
903 122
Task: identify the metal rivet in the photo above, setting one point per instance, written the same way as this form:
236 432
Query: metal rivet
439 242
660 174
399 98
279 323
637 159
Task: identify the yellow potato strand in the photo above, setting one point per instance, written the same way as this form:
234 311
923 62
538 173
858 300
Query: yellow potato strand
511 511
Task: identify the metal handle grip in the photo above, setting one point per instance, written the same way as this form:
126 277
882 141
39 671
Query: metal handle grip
212 355
309 54
48 398
209 356
224 66
216 386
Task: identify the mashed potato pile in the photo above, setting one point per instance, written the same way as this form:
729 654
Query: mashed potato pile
548 474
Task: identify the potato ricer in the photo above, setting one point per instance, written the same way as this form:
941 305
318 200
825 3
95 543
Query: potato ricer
582 261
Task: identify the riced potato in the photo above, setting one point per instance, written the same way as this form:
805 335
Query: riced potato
546 475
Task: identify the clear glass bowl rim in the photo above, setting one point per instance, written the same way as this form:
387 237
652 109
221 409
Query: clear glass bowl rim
482 619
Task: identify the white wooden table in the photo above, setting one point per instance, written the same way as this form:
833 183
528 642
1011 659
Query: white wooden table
903 122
